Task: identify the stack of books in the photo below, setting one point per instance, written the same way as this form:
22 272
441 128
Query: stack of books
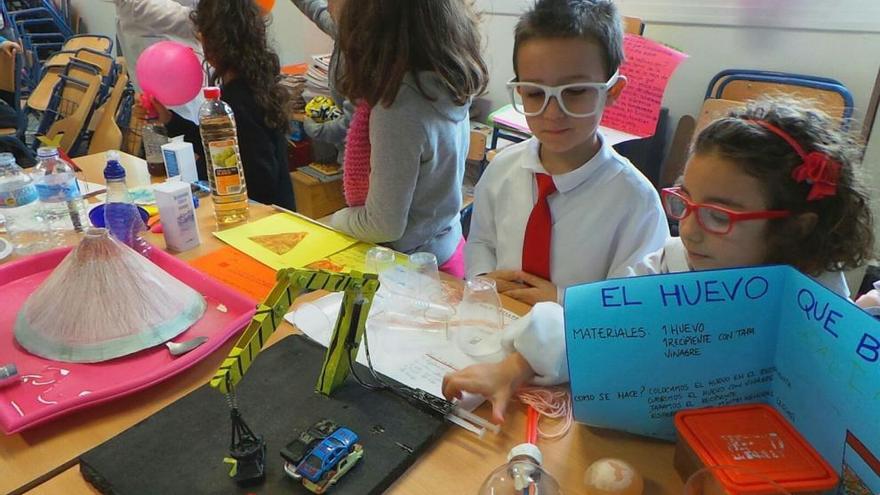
324 172
317 82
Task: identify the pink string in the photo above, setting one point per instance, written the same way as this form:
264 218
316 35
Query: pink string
551 402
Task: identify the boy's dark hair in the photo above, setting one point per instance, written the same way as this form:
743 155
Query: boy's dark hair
595 20
843 236
233 34
384 40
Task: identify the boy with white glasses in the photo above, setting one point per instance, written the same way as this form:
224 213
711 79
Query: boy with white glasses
563 208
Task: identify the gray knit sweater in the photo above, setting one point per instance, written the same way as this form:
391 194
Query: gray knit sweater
417 161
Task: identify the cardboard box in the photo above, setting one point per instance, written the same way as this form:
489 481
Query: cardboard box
316 199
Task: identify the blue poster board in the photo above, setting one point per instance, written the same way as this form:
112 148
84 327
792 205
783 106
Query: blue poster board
640 349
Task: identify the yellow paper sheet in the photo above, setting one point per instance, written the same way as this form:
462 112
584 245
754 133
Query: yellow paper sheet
352 258
285 241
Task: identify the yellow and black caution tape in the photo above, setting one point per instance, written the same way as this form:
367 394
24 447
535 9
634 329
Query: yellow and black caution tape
290 284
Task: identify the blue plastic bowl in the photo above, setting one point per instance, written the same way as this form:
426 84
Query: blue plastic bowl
96 216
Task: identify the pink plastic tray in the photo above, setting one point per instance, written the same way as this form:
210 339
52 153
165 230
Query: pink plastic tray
50 389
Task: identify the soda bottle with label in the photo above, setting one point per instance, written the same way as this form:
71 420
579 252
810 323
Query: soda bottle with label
225 172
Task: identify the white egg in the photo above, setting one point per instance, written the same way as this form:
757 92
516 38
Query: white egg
613 477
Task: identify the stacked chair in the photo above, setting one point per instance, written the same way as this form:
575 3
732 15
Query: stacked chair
85 97
72 87
40 27
731 88
10 90
82 92
743 84
71 105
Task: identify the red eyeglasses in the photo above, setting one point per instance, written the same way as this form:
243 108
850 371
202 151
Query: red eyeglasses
713 218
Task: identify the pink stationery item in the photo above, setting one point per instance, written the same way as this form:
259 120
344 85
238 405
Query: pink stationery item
50 389
648 68
356 170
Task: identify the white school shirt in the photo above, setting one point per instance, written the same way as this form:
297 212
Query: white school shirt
606 216
673 259
540 335
141 23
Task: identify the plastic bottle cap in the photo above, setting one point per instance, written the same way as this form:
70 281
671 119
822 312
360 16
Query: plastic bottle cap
47 152
528 450
211 92
114 170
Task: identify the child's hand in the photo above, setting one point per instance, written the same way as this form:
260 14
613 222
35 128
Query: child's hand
506 280
164 113
535 289
869 299
10 47
496 381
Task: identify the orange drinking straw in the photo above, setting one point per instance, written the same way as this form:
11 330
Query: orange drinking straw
532 426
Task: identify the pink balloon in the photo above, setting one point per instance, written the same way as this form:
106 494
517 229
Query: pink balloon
171 72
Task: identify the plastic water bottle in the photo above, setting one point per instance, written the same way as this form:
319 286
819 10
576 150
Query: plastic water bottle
523 474
155 135
225 172
20 206
62 199
121 215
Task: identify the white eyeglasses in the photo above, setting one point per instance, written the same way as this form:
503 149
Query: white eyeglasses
578 100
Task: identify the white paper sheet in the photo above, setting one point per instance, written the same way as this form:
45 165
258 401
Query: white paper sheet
403 347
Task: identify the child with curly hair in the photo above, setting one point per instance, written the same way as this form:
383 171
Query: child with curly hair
233 36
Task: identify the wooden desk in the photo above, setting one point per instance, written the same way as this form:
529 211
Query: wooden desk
44 460
92 166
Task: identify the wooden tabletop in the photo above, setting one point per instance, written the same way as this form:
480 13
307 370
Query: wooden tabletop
43 460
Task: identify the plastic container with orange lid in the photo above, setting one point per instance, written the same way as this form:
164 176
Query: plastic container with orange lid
753 438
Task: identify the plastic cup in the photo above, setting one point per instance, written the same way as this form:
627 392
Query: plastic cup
480 320
379 260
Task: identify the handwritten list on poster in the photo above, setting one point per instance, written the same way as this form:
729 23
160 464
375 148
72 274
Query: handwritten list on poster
648 67
641 349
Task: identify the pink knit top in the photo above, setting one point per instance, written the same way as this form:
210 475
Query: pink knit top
356 171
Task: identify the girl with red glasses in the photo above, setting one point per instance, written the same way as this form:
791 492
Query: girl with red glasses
772 183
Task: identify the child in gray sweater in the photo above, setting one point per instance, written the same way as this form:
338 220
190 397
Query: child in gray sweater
418 126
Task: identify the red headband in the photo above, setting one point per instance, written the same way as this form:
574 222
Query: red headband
818 169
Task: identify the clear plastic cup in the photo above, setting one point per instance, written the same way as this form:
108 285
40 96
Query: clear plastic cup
379 260
480 320
426 276
428 288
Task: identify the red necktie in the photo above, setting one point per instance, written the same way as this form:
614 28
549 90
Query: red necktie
536 246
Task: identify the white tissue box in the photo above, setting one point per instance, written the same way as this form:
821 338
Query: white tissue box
178 215
180 160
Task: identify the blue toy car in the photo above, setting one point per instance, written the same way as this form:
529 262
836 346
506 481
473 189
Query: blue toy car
327 454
